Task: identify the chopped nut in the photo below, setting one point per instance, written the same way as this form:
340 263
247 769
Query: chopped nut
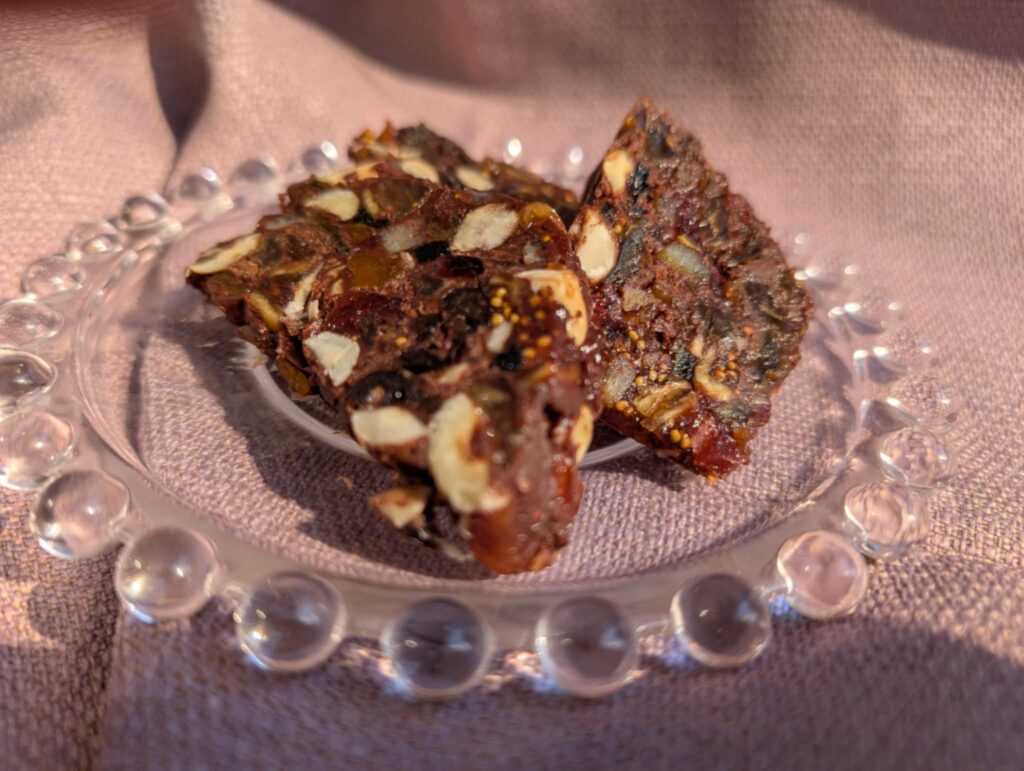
596 248
493 500
217 259
616 167
697 345
620 374
387 426
666 403
532 254
486 227
402 506
473 178
336 353
417 167
714 388
460 476
341 202
498 336
453 374
566 291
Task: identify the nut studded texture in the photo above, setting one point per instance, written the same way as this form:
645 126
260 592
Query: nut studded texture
449 328
419 151
701 316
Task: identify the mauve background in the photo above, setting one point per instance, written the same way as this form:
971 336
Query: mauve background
890 130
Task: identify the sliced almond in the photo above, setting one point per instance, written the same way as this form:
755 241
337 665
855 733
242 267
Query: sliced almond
473 178
334 176
336 353
597 248
265 310
296 307
341 202
313 308
486 227
406 151
403 506
387 426
417 167
221 257
460 476
366 171
566 291
617 166
371 203
402 236
582 432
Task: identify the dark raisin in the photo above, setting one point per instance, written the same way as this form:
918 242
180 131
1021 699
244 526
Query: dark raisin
683 363
761 298
615 331
657 140
379 389
272 251
458 266
510 359
362 313
367 327
424 326
629 257
636 185
430 251
418 361
469 304
426 285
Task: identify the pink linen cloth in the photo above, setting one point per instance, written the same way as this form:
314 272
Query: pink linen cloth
889 130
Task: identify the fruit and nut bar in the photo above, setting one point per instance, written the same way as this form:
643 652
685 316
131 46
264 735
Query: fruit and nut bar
450 328
420 152
701 317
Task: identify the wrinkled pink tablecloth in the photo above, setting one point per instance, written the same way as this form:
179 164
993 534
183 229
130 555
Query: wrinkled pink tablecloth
889 130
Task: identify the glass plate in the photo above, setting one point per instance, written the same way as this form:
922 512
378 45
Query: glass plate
141 420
